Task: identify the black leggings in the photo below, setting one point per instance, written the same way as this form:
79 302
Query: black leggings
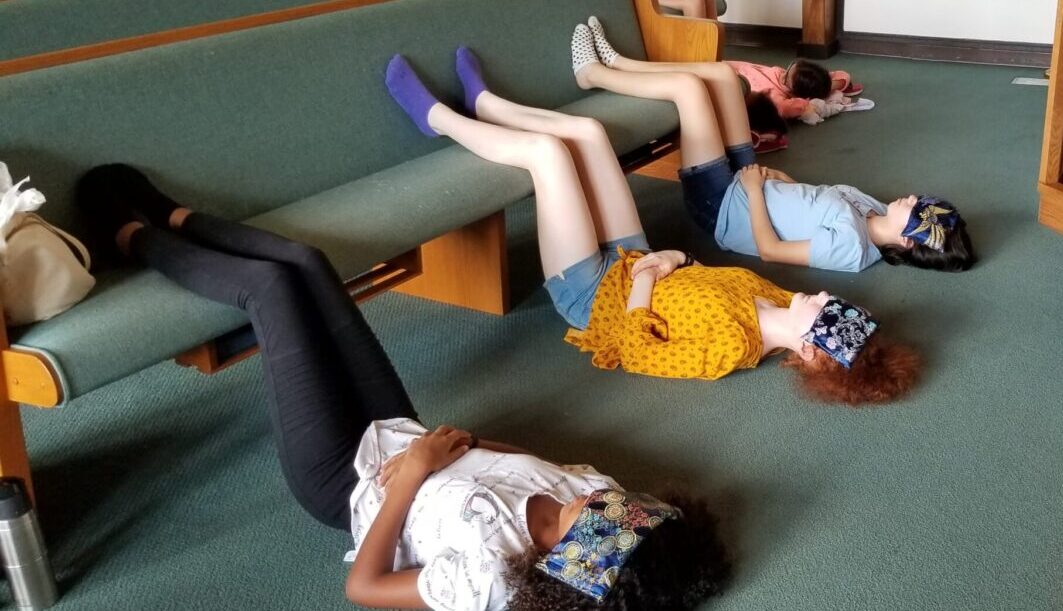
326 374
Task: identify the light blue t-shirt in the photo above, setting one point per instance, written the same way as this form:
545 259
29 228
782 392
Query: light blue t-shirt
832 217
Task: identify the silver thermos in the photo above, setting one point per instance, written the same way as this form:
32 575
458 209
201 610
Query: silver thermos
22 549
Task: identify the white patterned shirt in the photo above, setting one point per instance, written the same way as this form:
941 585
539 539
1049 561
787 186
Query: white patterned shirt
467 519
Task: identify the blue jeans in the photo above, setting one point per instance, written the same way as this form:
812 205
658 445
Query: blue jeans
573 290
703 189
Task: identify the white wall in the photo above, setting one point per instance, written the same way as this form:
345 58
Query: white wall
1008 20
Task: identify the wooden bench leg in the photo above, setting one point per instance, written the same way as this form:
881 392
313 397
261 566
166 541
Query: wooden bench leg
14 460
1051 212
665 168
467 267
1050 178
819 30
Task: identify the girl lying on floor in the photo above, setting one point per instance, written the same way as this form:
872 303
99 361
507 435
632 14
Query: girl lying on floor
659 313
833 227
792 89
439 518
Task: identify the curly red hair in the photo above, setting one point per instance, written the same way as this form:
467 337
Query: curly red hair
884 371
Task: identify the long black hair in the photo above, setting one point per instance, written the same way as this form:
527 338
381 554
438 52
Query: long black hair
958 255
680 565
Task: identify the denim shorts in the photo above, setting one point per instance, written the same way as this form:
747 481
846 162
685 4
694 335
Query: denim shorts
573 290
703 189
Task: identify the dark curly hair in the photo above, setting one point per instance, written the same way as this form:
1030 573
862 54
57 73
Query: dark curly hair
680 565
958 255
884 371
809 80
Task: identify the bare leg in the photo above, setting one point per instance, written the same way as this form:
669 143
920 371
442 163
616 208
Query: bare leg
565 227
724 87
611 204
700 139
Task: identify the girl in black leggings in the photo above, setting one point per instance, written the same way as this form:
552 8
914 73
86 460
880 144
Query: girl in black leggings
327 376
439 518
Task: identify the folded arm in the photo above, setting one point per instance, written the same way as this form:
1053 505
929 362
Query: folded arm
770 248
373 580
650 269
647 348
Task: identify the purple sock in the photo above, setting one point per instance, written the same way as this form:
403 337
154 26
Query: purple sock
471 77
410 93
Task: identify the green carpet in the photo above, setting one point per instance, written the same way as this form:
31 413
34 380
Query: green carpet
163 491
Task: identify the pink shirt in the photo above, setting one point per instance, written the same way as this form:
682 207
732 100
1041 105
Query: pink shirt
771 80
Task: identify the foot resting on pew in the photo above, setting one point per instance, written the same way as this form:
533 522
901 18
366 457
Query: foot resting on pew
118 182
410 93
471 76
583 53
100 193
606 53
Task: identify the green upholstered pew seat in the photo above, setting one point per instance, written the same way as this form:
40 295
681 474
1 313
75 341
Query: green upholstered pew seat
40 26
243 123
136 318
290 128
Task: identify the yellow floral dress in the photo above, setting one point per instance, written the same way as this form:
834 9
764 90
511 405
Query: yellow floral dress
701 323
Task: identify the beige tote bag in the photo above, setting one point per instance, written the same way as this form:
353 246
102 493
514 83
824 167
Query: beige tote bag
43 269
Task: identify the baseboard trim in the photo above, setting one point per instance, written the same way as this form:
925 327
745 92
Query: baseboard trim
745 35
894 45
948 49
815 51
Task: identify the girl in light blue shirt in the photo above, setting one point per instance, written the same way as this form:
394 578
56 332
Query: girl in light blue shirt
757 211
833 227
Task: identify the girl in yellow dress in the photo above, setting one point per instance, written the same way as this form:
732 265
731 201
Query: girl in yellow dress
654 313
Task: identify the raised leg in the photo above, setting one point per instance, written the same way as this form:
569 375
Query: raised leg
608 194
565 226
700 139
724 87
722 81
317 420
370 373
